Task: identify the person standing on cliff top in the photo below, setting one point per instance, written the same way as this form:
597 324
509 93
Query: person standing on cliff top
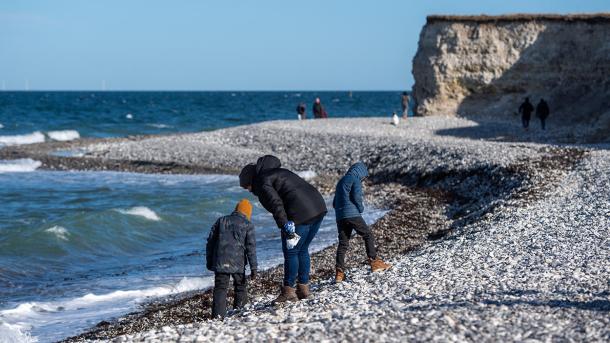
542 112
405 104
349 206
526 110
319 112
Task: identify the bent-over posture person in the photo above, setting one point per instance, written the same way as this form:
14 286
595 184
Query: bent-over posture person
231 244
298 209
348 210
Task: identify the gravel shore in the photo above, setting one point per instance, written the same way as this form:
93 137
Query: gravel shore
492 239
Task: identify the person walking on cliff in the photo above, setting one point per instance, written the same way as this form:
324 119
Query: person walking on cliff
542 112
319 112
298 209
405 104
526 110
349 206
231 244
301 111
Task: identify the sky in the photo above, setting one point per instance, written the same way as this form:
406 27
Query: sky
227 44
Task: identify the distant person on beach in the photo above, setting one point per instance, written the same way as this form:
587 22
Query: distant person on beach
319 111
231 244
542 112
349 206
526 110
298 209
301 111
405 104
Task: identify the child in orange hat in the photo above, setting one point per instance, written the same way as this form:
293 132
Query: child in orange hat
230 245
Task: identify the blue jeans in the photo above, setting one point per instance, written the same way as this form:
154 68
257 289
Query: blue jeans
296 260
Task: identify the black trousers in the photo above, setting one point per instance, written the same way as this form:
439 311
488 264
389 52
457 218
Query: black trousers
221 287
346 227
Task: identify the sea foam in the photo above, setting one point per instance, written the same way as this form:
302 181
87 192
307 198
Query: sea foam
1 126
19 166
63 135
30 138
59 232
14 334
142 211
91 306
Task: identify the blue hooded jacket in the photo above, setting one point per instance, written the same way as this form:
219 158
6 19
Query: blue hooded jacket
348 194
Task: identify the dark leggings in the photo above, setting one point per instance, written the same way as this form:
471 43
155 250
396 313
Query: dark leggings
346 227
221 287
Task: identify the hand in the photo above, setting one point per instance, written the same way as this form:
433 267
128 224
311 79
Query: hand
289 228
253 274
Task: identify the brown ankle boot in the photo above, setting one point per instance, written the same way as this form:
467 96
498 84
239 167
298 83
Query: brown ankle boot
302 291
287 294
377 265
339 276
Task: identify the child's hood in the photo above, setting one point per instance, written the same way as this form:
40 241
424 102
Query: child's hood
358 170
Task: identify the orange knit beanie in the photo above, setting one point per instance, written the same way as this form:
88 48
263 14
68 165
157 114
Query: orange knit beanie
244 207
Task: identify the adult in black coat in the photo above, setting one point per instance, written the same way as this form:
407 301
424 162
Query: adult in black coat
542 112
297 207
526 110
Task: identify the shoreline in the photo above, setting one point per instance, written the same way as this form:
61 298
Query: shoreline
433 185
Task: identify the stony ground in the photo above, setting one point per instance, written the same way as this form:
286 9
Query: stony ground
526 271
496 233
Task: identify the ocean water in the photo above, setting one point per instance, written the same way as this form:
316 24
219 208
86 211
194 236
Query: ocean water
80 247
32 117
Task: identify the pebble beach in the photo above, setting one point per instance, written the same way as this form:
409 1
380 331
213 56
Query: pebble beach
500 236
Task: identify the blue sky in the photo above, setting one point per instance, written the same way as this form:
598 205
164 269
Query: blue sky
226 44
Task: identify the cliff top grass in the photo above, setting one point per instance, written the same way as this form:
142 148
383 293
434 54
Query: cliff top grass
581 17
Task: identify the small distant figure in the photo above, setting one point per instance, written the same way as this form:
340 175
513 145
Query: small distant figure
301 111
395 119
542 112
319 112
405 104
349 206
526 110
230 245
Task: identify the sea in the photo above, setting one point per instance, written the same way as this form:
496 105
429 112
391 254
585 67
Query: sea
78 247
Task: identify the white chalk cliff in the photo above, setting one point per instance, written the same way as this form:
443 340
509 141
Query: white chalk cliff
485 65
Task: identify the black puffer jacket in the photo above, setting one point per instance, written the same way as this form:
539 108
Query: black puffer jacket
286 195
231 245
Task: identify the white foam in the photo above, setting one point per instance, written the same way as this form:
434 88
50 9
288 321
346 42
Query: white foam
30 138
307 174
63 135
129 116
14 334
142 211
160 126
59 232
19 166
1 126
41 317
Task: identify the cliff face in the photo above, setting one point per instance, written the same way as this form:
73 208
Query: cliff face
483 65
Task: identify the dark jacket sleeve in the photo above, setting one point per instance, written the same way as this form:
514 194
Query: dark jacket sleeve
272 202
210 248
251 247
356 195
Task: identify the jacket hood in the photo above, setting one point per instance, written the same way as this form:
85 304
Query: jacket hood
359 170
267 162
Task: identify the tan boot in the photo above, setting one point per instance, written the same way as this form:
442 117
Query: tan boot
288 294
302 291
377 265
339 276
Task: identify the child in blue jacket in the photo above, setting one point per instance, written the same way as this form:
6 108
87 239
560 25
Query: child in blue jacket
348 210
